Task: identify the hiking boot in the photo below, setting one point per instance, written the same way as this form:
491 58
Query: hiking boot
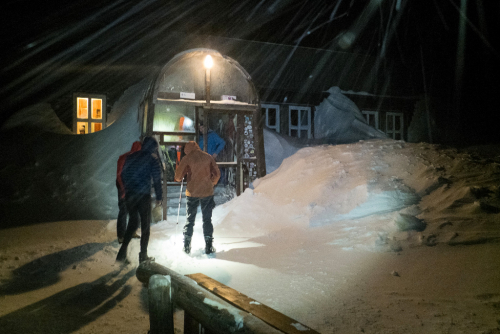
209 248
120 240
144 257
187 244
136 236
122 255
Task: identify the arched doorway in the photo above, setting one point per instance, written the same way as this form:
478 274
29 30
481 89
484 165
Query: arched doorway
185 94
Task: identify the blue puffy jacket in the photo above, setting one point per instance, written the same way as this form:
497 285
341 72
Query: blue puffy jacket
139 168
215 144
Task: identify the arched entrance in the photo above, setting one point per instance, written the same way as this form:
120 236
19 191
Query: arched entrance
223 98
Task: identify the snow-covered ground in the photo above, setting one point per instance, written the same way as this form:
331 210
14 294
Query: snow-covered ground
378 236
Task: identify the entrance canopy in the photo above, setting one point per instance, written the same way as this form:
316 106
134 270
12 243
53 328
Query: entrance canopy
183 79
222 96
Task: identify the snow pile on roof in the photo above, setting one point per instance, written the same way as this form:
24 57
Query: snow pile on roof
339 120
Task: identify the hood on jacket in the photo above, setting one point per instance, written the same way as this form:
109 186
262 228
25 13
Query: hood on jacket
149 144
136 146
190 147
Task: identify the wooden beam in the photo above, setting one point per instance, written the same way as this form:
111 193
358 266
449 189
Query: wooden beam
246 109
205 130
258 122
174 133
222 106
164 190
172 143
191 326
211 311
267 314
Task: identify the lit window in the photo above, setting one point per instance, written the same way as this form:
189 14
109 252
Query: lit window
96 127
82 107
96 108
82 128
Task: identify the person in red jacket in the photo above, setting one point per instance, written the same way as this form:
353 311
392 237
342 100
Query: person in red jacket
121 222
202 175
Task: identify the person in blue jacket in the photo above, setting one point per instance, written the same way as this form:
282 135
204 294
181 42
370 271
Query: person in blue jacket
138 170
215 144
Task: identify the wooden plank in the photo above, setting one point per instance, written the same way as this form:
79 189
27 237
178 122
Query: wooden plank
174 133
227 164
222 106
172 143
243 302
245 109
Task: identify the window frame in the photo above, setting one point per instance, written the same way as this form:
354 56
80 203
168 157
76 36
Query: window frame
267 106
300 127
392 132
375 114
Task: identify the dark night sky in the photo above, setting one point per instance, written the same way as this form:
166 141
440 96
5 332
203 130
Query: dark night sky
421 32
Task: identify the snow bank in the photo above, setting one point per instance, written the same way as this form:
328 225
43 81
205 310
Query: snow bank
39 118
369 192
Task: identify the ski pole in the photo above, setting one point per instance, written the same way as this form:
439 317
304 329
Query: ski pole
179 209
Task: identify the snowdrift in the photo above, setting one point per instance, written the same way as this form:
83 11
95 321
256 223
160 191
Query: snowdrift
48 174
374 193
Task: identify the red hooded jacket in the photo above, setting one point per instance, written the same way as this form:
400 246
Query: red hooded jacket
136 146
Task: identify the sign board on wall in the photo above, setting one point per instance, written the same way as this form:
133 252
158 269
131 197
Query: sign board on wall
228 98
185 95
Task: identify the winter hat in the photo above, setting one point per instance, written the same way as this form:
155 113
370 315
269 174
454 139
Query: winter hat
149 144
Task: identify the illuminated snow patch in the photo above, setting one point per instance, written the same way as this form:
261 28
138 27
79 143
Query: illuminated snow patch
300 327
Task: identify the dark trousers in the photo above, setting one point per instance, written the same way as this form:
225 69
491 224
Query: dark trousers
138 206
121 222
207 205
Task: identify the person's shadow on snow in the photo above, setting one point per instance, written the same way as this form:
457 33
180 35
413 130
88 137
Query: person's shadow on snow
70 309
44 271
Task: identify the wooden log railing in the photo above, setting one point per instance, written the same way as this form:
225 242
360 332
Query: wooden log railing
212 312
161 312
